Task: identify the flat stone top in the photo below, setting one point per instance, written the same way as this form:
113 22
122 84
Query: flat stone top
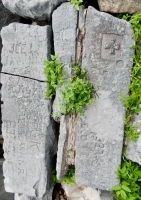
25 47
100 132
35 9
29 140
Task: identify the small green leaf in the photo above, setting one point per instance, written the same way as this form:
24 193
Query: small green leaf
124 187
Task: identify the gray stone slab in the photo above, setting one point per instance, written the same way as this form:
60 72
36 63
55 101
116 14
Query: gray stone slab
25 47
35 9
108 61
65 34
29 139
120 6
133 151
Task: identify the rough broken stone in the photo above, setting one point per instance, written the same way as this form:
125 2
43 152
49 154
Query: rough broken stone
65 34
29 140
25 47
66 144
35 9
133 151
77 192
108 61
105 195
120 6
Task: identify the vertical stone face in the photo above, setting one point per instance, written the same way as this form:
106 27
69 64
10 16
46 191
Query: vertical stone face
25 47
108 61
28 131
64 21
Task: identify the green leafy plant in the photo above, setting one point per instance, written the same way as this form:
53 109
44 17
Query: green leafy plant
76 3
133 101
130 181
69 177
78 93
54 75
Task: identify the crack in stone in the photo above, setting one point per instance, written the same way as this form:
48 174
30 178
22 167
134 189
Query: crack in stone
23 77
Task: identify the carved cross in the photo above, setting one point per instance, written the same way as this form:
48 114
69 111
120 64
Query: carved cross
112 46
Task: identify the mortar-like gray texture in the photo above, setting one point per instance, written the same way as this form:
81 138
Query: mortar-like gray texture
29 139
108 61
25 47
133 151
65 34
120 6
34 9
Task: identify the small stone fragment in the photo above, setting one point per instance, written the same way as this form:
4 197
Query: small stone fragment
120 6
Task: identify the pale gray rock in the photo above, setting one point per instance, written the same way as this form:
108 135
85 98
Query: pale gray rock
66 144
120 6
65 34
6 18
25 47
106 196
133 151
100 132
34 9
29 139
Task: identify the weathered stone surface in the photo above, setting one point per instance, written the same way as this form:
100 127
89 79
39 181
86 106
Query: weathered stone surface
126 6
29 140
66 144
6 18
106 196
24 197
108 53
133 151
35 9
25 47
65 34
28 131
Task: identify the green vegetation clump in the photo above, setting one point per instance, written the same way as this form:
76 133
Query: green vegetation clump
54 75
130 181
133 101
78 94
69 177
76 3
